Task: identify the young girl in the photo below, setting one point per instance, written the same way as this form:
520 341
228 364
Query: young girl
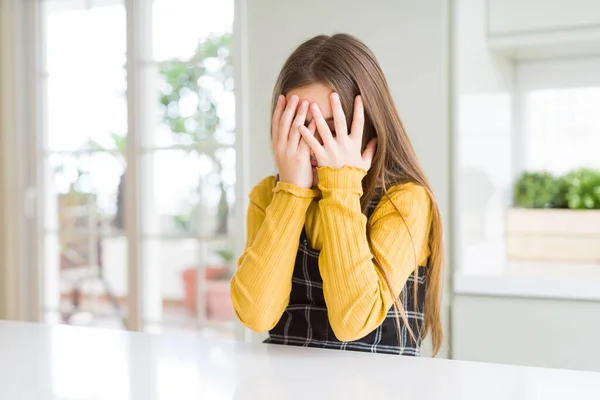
344 247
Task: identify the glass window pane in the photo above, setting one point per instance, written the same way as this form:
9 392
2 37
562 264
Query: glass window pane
188 168
84 264
85 82
180 24
196 103
188 193
90 116
562 129
78 37
171 291
85 279
85 183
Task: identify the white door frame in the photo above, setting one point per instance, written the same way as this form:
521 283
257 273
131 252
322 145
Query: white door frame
19 249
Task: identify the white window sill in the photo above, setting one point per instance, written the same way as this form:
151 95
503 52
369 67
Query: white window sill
486 272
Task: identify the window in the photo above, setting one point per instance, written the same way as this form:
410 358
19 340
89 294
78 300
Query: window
561 128
182 186
528 116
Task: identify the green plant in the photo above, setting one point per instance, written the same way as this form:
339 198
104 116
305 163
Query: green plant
583 189
540 190
226 254
183 222
190 94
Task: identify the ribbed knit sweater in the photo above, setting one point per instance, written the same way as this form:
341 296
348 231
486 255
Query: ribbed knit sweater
355 291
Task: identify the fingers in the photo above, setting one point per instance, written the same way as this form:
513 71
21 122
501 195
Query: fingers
322 126
369 152
339 119
358 119
298 122
286 119
312 128
279 107
309 138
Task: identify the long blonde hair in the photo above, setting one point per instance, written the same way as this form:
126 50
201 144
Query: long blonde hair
348 67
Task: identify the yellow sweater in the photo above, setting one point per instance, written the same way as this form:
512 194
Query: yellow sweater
355 292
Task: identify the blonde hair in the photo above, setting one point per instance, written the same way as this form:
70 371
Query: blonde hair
348 67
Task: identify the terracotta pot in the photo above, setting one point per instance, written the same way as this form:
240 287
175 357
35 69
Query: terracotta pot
218 299
189 289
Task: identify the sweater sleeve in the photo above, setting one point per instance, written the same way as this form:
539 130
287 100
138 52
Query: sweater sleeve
261 285
355 290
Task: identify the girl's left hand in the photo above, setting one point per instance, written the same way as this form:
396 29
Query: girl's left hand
344 149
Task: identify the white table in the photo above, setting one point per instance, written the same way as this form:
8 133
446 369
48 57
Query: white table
42 362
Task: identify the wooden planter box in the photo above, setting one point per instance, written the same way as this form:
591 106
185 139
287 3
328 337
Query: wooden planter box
553 235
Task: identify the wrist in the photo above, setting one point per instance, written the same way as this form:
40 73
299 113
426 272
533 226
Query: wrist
295 190
295 184
344 178
293 180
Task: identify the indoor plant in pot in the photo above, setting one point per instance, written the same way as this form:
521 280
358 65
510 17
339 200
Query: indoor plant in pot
555 218
217 277
218 296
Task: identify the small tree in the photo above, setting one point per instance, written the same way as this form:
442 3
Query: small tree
199 80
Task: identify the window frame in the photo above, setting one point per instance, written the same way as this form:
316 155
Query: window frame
26 284
536 281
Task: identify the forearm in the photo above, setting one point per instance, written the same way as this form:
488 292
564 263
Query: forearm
261 286
356 296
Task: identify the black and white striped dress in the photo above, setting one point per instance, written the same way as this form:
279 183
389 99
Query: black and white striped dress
305 322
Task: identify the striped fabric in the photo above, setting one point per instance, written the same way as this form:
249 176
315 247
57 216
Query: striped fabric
305 321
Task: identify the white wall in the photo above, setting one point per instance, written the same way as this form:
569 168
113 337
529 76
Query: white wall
409 38
483 112
513 17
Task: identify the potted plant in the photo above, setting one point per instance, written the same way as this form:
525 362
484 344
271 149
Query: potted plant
217 278
555 218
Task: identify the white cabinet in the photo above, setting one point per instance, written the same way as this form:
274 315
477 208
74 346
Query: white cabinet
543 28
517 17
526 331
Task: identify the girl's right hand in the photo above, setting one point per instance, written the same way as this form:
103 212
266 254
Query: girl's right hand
292 154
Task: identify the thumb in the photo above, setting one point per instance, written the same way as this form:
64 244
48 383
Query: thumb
369 152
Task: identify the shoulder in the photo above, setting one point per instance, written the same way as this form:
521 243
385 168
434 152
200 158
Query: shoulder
262 193
410 191
409 199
